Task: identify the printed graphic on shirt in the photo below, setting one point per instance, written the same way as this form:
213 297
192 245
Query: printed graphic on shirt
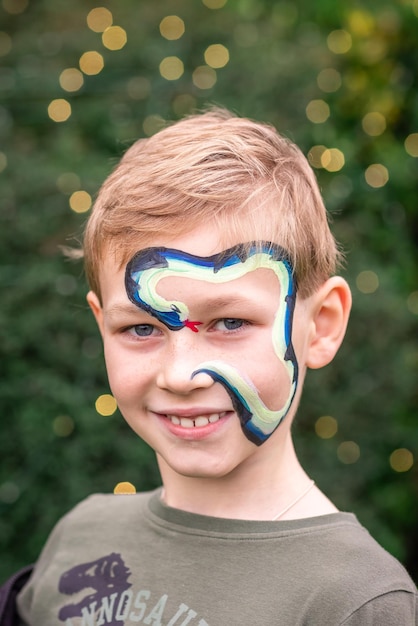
102 595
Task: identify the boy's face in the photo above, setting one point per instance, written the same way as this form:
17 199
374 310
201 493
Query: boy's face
198 347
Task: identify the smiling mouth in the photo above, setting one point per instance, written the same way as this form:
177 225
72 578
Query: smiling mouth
196 422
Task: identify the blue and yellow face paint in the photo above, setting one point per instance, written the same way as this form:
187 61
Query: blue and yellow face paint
147 267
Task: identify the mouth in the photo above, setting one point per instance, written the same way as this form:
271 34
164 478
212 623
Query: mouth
197 421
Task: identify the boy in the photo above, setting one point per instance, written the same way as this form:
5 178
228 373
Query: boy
211 268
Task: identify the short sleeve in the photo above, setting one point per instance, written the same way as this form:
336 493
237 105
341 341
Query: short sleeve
397 608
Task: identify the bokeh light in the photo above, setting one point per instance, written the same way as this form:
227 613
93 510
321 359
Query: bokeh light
401 460
329 80
106 404
63 426
332 160
152 124
374 123
204 77
317 111
376 175
99 19
214 4
367 281
3 161
91 62
15 6
59 110
172 27
67 182
138 88
339 41
412 302
216 55
411 144
348 452
124 488
71 79
171 68
80 201
326 427
5 44
114 38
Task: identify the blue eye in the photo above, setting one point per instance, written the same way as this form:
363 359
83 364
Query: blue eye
230 323
143 330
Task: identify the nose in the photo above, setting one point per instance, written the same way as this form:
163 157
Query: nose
181 359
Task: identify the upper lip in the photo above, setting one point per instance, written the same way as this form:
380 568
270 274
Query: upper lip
192 412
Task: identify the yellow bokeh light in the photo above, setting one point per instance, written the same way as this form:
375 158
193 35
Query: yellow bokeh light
367 281
204 77
315 155
59 110
124 488
415 7
15 6
171 68
114 38
412 302
152 124
329 80
3 161
348 452
183 103
216 55
332 160
326 427
376 175
5 44
411 144
106 404
63 425
374 123
91 63
80 201
99 19
71 79
317 111
361 23
172 27
214 4
401 460
339 41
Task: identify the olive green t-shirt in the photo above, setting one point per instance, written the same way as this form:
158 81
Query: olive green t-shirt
124 560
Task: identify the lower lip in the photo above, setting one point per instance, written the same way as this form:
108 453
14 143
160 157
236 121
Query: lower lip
197 433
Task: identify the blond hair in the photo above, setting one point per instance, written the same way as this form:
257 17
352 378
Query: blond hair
213 167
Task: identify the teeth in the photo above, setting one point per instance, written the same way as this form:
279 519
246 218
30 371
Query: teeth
195 422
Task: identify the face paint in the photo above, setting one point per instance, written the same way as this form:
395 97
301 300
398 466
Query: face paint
149 266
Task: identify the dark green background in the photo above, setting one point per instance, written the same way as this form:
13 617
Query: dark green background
51 360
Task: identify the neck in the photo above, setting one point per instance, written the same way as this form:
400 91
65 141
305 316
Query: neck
258 490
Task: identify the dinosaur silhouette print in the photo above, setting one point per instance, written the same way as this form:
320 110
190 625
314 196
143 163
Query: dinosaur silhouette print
104 582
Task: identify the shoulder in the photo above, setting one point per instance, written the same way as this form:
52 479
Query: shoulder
358 574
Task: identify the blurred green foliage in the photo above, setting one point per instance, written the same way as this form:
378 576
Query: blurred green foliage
335 76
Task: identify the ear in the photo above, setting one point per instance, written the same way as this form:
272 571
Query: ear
96 307
331 310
